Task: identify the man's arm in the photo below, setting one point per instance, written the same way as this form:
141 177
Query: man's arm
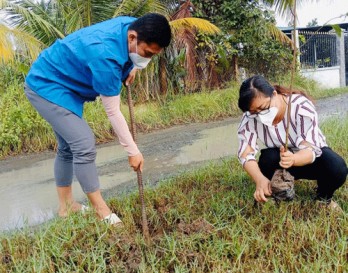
119 124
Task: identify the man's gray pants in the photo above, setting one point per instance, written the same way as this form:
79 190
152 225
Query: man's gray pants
76 151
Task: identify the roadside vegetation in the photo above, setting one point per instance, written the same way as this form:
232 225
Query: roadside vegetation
200 221
22 130
194 80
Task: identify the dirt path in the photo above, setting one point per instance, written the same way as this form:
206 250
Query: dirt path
27 184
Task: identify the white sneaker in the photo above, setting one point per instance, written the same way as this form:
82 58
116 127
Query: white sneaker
334 207
112 220
84 209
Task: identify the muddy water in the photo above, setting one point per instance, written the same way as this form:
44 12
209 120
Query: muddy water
27 188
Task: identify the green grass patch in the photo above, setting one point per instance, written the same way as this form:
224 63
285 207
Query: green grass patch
325 93
200 221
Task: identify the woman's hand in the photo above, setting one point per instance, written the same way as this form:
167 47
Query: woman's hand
136 162
131 77
287 159
263 189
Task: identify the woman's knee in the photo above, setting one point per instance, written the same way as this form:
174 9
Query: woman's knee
335 164
269 156
340 171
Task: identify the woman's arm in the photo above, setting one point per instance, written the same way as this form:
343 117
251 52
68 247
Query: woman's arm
263 185
303 157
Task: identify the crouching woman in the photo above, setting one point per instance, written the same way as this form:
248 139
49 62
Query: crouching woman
308 156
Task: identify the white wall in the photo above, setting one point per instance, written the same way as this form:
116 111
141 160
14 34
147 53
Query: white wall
328 77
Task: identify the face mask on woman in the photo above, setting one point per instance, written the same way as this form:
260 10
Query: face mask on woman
139 62
268 118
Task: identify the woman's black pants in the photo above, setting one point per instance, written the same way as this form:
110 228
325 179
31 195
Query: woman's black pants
330 170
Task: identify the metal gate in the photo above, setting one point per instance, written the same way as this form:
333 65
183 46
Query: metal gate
318 49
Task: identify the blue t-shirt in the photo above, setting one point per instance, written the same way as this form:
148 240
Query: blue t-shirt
89 62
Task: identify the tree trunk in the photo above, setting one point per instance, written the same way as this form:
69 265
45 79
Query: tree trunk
163 76
235 73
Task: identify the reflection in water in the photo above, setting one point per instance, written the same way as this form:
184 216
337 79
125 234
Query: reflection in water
213 143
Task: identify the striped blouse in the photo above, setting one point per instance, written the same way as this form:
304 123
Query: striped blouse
303 127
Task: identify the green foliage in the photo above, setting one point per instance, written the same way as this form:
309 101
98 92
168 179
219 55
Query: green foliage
313 23
200 221
188 108
21 127
266 57
8 75
247 26
23 130
336 130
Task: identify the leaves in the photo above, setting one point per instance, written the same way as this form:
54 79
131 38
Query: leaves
16 44
190 23
337 29
137 8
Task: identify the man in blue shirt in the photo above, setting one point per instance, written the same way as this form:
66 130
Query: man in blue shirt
91 62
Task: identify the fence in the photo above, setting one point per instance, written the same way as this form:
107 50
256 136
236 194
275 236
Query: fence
318 49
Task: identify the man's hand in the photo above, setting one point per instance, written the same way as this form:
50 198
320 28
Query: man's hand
287 159
131 77
263 189
136 162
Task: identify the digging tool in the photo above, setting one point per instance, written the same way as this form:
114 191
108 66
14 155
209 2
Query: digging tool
282 182
139 174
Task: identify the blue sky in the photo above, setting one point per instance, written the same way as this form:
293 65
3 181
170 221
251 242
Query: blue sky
323 10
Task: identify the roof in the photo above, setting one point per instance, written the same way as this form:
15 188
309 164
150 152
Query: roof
325 28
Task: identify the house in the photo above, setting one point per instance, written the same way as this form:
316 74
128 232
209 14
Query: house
323 55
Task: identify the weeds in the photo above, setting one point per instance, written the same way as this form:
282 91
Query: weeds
200 221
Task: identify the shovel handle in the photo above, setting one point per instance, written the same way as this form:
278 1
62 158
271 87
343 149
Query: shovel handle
139 174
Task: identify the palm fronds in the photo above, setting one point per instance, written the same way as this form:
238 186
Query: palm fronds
32 18
279 35
138 8
201 25
16 44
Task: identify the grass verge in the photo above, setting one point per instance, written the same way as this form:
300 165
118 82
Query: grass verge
200 221
22 130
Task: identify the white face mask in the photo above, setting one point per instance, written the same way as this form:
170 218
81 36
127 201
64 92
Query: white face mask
139 62
268 118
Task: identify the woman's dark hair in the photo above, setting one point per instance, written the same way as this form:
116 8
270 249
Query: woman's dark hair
259 86
152 28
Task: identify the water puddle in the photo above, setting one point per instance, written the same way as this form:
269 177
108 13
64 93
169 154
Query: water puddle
29 193
213 144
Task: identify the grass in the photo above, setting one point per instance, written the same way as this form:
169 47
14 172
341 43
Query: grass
200 221
22 130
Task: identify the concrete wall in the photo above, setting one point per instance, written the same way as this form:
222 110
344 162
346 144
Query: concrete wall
328 77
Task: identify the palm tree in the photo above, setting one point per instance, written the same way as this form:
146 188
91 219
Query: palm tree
44 22
185 29
289 8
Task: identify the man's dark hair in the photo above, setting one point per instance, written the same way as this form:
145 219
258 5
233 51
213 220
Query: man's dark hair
152 28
